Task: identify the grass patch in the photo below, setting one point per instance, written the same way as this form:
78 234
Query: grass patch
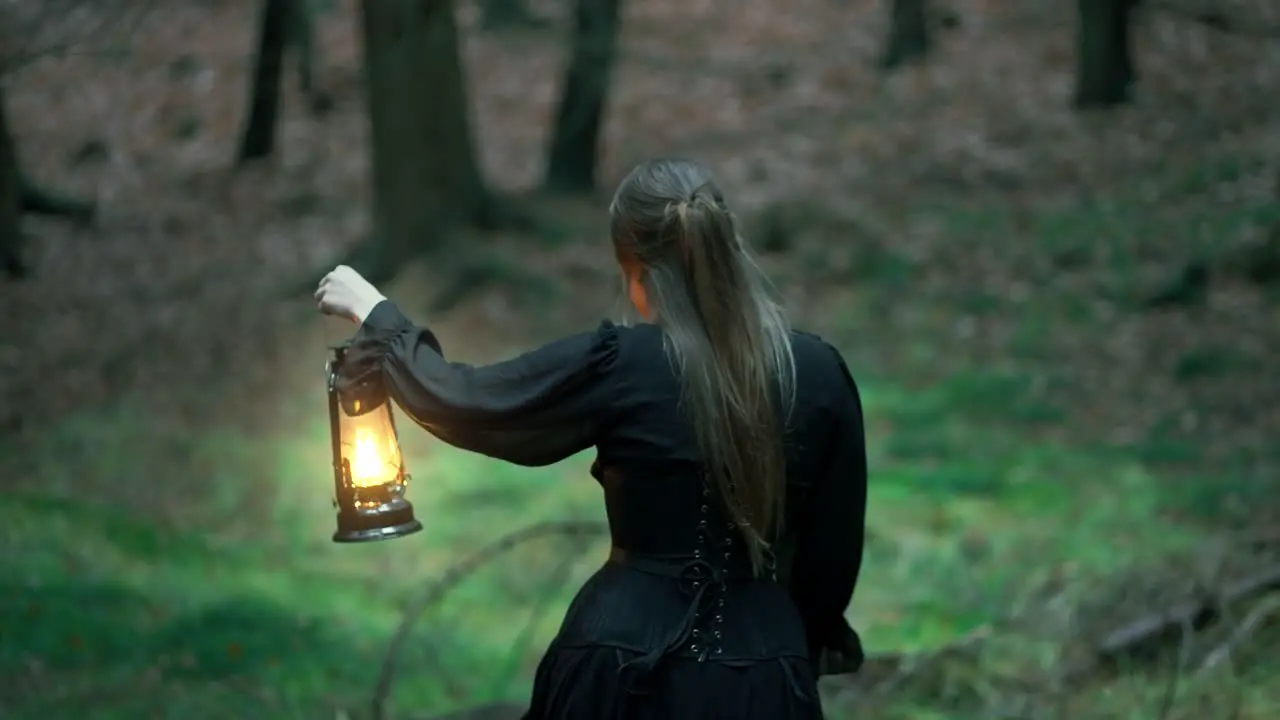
966 512
258 614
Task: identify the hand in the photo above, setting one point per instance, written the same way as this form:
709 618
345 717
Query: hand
344 293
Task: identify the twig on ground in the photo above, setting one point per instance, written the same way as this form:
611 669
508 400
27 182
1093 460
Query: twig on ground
1252 623
450 579
1143 632
558 577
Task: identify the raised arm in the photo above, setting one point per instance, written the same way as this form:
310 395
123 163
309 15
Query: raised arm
830 535
535 409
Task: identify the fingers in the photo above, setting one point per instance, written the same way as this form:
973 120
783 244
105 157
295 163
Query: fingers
322 293
330 289
335 280
321 290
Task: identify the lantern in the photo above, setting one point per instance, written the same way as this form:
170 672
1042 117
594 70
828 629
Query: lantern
369 480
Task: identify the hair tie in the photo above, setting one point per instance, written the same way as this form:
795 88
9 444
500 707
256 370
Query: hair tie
684 237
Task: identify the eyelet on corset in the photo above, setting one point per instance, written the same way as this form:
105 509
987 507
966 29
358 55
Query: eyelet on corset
706 577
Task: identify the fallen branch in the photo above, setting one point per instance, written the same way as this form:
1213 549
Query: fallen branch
1135 636
450 579
1247 627
559 577
40 201
884 673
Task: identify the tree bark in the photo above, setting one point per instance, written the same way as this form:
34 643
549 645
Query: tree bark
1105 69
571 163
259 137
10 201
424 171
909 39
302 37
501 14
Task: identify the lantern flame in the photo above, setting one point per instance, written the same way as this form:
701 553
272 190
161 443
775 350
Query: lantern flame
370 467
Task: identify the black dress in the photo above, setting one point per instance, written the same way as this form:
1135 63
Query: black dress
673 626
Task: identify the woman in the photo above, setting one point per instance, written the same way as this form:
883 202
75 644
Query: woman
724 441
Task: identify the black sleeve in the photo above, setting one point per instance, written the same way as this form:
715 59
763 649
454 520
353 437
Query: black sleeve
536 409
830 535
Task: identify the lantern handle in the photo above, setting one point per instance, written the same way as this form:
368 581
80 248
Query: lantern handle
341 470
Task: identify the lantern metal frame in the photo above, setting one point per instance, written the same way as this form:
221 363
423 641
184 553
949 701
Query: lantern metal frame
365 514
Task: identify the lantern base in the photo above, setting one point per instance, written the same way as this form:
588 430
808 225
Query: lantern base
385 521
372 534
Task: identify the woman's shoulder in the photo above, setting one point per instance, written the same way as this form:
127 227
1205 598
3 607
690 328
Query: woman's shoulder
820 362
813 345
622 339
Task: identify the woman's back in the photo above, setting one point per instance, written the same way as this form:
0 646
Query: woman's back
647 453
676 624
730 450
679 586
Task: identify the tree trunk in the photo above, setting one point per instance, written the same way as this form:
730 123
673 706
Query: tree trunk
571 162
1105 69
302 36
424 170
501 14
264 99
10 207
908 34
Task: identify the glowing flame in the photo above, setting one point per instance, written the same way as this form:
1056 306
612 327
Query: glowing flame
369 465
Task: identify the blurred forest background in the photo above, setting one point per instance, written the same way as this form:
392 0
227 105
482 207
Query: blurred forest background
1045 234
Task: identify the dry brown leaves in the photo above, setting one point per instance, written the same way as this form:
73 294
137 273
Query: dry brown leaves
172 288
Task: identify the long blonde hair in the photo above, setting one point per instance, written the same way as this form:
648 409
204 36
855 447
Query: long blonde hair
728 338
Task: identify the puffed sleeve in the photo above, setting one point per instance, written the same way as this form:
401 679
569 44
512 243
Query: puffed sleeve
536 409
829 537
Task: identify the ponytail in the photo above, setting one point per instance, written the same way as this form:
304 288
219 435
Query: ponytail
727 337
735 364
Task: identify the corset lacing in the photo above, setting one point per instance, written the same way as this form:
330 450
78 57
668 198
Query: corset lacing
704 578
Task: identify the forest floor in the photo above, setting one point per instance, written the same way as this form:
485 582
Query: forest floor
1049 452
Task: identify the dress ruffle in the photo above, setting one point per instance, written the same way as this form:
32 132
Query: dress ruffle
583 684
